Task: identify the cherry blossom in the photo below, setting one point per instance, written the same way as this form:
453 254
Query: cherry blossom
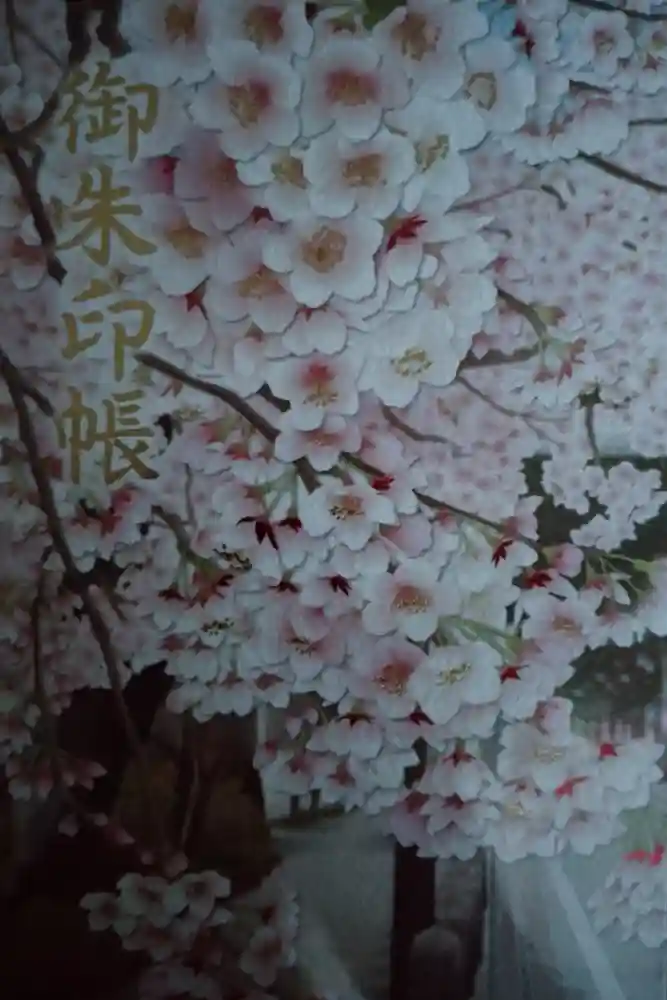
323 256
250 103
350 85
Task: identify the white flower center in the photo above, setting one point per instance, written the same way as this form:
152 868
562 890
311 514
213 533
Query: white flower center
363 171
345 86
415 36
264 25
346 506
411 600
187 241
414 361
218 627
393 677
259 285
549 755
249 101
180 21
430 151
289 170
325 249
483 89
452 675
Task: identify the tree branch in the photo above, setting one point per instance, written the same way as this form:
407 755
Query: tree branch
614 170
26 388
27 181
266 429
75 579
614 9
411 432
270 433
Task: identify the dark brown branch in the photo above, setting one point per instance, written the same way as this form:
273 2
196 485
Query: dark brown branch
622 174
27 181
305 470
26 388
98 625
615 9
11 23
411 432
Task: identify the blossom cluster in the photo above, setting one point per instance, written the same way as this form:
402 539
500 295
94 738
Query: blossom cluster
319 310
634 896
200 942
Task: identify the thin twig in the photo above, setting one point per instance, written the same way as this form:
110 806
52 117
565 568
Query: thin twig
48 723
11 23
441 505
78 582
622 174
27 389
527 311
39 43
614 9
647 121
505 410
27 182
412 432
270 432
303 467
232 399
492 359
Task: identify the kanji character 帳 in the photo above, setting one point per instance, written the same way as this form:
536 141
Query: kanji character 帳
120 433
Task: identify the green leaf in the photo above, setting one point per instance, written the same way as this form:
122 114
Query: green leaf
377 10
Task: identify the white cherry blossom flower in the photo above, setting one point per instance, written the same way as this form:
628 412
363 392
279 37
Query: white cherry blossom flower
323 329
413 352
322 446
500 87
409 600
175 35
277 27
322 257
316 387
380 672
529 753
439 132
277 177
243 286
204 173
367 175
347 83
350 514
426 37
454 676
186 244
250 103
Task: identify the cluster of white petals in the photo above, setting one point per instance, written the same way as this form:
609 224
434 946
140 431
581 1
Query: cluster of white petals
380 267
634 896
246 940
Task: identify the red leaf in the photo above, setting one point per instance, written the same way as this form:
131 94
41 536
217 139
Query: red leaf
568 787
407 229
536 578
339 583
382 483
286 587
509 674
291 522
500 551
265 530
258 213
607 750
